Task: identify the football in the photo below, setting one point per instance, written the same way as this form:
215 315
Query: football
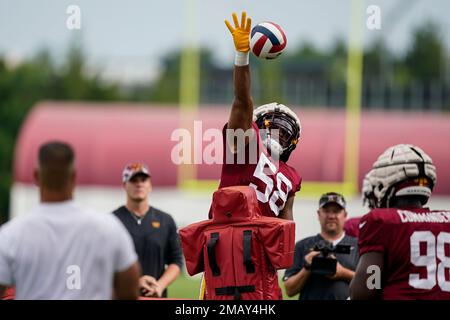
267 40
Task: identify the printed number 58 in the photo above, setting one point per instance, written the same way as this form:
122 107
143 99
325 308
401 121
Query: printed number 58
280 178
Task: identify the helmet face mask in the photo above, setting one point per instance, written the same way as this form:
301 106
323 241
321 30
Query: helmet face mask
280 129
402 171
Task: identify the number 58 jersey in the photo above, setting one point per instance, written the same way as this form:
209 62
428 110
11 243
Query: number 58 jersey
273 181
416 248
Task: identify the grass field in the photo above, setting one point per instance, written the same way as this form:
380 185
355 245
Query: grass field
186 287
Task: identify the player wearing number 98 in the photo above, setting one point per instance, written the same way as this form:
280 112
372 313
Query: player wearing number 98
400 241
274 131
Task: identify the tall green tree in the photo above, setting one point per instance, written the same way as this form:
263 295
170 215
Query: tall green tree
426 57
166 87
36 79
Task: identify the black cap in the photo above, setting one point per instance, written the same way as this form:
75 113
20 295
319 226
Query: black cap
332 197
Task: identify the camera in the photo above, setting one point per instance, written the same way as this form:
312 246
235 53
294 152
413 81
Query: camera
323 263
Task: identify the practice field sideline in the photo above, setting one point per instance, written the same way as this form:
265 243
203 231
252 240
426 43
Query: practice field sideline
189 207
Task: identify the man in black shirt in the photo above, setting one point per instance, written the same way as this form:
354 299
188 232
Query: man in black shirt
154 233
313 285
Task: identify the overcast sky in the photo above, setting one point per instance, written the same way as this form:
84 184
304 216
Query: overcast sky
127 39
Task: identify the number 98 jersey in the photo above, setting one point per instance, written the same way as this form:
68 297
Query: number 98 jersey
416 248
273 181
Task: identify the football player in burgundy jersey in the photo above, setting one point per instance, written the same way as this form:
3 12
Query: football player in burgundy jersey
273 133
401 241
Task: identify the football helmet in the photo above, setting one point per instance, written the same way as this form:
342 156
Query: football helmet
280 129
367 191
402 170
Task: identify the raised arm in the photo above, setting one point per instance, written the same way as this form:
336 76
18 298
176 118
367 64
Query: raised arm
241 115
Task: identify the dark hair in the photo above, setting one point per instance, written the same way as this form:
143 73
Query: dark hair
56 164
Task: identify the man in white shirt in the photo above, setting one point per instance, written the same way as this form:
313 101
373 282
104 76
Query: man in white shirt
61 251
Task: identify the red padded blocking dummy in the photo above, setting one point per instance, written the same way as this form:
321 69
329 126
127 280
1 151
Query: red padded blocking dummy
239 250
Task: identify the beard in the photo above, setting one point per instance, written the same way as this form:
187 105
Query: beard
331 227
138 198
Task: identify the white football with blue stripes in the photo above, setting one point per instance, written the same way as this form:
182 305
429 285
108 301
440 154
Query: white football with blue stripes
267 40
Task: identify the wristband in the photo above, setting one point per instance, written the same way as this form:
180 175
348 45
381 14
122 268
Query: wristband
241 59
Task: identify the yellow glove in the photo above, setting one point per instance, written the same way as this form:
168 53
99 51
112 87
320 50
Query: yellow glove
241 33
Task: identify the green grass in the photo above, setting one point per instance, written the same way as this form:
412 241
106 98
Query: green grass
186 287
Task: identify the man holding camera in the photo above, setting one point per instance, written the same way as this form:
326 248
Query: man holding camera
324 264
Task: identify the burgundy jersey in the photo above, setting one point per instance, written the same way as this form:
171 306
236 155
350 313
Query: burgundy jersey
274 183
416 248
351 227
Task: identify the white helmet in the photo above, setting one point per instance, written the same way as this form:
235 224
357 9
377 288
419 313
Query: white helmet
278 116
402 170
367 191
